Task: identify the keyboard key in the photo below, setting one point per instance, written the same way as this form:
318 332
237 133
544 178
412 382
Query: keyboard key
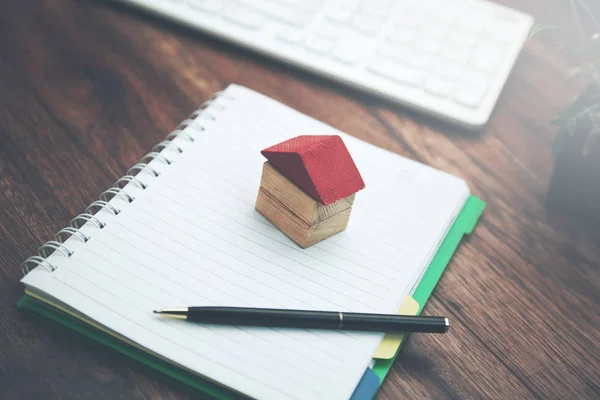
347 54
395 51
413 17
460 55
341 10
327 30
289 15
352 45
472 25
403 5
401 35
310 5
245 16
463 39
317 44
470 95
367 24
473 87
427 45
475 80
421 60
339 14
347 4
485 65
480 9
211 6
439 87
486 61
400 73
439 31
444 13
448 69
290 35
377 8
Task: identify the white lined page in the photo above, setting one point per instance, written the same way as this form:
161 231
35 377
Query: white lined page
193 238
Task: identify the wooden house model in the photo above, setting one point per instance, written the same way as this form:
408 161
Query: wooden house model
308 186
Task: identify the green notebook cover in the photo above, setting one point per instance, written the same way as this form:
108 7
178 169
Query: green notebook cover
464 224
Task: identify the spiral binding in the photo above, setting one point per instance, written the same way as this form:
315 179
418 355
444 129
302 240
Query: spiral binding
139 167
117 190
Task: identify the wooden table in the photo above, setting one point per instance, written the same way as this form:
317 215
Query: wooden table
87 88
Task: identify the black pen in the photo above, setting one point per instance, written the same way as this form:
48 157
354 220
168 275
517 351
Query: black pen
301 319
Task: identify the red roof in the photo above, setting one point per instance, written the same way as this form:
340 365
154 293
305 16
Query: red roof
319 165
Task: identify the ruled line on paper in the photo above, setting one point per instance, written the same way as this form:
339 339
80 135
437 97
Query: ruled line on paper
199 281
252 216
250 206
298 253
393 233
285 283
126 299
233 367
257 129
226 290
210 301
202 255
375 220
250 154
246 151
367 222
267 261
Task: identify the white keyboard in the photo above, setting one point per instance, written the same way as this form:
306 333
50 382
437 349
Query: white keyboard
449 58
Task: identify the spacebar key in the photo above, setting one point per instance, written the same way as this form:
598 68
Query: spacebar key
398 72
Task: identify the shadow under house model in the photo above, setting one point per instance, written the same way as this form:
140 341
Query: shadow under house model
308 186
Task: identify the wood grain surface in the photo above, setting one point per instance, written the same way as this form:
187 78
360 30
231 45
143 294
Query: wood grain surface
88 87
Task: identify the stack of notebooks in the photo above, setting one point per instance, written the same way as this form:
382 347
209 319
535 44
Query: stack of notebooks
180 229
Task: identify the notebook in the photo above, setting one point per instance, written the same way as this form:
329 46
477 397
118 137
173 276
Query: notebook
181 229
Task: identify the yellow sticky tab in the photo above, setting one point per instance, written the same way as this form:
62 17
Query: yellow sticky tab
391 341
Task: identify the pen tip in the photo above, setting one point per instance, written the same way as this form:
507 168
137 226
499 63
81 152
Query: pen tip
157 311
